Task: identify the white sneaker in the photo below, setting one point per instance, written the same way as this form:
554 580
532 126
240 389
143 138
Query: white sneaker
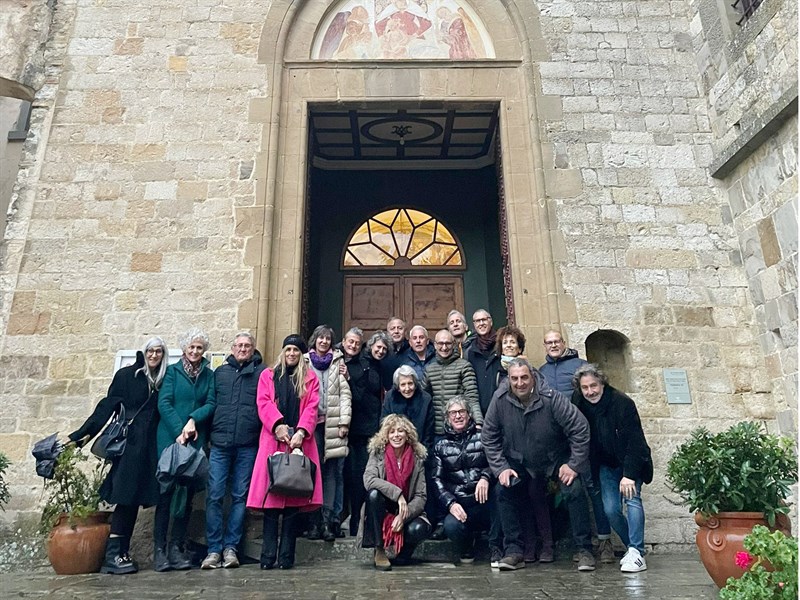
632 562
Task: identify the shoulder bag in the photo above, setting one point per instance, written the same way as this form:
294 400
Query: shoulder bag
110 444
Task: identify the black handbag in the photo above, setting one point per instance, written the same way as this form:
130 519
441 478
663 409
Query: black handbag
291 475
111 443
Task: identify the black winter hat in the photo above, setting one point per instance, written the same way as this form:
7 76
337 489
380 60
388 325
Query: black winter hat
295 340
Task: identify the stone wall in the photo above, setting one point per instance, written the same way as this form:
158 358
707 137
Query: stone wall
749 74
122 220
137 207
647 250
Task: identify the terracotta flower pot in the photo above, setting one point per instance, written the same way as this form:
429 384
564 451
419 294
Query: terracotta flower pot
78 549
721 536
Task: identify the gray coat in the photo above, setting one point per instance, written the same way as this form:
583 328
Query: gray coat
375 479
550 432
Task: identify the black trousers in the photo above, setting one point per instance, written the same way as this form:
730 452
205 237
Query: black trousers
180 525
123 520
359 455
270 544
414 531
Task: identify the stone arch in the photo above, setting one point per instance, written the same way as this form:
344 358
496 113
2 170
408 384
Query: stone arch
610 350
276 246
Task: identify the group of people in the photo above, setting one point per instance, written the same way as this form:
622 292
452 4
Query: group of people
410 440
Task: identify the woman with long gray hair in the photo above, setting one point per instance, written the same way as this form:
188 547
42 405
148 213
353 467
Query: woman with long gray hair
186 404
131 482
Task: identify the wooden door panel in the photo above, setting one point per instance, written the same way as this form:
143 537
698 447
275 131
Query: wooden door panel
369 302
427 300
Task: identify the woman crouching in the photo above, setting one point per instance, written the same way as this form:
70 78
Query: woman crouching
394 521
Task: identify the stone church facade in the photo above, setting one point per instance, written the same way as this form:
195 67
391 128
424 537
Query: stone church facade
639 167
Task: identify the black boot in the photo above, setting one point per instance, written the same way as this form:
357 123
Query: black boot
115 561
126 548
269 539
288 539
179 559
160 560
315 528
327 529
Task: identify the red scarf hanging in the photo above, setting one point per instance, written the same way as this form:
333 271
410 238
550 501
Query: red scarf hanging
401 477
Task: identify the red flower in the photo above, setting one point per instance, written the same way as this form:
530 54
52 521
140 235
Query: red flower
743 560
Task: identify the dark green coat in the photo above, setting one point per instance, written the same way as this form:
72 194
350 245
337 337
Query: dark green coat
181 398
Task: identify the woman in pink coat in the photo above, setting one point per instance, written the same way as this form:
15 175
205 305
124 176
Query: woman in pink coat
288 397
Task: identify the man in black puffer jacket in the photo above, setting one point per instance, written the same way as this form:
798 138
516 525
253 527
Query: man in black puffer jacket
234 443
462 478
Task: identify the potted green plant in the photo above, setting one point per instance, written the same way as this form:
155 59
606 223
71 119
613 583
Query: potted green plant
733 480
769 565
76 527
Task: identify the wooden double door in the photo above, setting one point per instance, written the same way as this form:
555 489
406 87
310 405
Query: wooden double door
370 301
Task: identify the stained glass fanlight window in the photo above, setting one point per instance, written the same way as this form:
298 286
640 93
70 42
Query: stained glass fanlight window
402 237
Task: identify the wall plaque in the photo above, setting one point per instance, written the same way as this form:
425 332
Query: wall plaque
676 383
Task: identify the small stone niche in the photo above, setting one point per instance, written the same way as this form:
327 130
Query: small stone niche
610 350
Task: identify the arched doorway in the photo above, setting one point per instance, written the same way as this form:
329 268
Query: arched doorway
401 262
307 73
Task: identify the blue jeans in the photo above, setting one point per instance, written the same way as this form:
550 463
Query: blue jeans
596 497
234 465
333 489
631 529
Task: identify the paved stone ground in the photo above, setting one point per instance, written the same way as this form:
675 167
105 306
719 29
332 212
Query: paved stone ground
669 577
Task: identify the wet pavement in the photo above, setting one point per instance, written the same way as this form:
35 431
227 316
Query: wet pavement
673 577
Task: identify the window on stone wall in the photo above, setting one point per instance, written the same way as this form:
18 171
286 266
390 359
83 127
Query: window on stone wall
745 9
610 350
402 238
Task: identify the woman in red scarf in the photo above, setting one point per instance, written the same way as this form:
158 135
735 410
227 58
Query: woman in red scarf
394 521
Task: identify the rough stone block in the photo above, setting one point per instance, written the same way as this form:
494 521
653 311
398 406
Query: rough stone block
146 262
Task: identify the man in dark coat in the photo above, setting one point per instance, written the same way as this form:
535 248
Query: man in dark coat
235 429
560 363
531 431
365 392
484 360
396 328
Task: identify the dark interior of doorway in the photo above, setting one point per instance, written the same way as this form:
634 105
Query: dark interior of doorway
466 201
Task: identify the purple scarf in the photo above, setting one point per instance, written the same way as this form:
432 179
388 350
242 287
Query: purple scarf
321 363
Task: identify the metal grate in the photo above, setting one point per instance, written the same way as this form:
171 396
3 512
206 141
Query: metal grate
747 8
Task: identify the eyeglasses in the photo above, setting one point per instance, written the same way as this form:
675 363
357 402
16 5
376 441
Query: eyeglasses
554 343
443 344
154 351
481 320
458 413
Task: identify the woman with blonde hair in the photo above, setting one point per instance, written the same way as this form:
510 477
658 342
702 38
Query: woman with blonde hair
394 520
287 400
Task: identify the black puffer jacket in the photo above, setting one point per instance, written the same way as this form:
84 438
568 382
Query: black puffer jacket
459 464
365 391
235 422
